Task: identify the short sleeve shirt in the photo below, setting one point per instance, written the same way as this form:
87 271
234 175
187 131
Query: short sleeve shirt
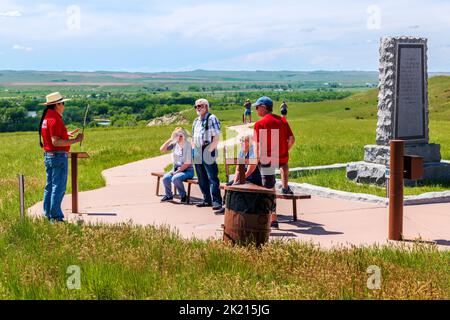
200 135
181 155
271 127
53 126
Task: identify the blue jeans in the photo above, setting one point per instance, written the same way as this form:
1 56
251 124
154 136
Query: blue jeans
56 168
208 179
177 181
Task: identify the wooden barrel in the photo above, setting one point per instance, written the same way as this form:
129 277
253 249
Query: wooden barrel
247 214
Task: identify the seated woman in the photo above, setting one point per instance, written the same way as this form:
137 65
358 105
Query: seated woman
252 173
182 164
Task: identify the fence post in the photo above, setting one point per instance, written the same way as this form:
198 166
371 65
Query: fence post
397 148
22 195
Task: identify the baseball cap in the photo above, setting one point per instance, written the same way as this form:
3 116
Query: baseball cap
263 100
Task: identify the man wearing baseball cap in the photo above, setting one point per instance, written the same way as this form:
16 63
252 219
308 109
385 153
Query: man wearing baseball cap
273 139
54 139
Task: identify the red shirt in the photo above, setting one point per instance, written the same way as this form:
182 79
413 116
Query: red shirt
53 126
274 127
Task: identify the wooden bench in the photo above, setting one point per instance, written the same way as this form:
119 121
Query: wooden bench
241 165
294 198
189 182
278 194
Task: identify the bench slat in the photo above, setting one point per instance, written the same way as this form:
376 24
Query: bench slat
290 197
158 174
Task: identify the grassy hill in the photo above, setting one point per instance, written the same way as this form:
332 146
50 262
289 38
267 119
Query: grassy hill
126 262
345 77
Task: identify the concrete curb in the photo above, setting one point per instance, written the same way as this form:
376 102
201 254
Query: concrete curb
295 171
425 198
331 193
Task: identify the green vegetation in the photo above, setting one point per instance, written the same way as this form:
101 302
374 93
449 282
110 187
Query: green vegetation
131 262
125 109
128 262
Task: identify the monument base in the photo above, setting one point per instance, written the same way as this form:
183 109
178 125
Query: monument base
380 154
372 173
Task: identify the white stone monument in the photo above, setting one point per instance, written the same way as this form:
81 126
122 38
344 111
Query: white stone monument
402 113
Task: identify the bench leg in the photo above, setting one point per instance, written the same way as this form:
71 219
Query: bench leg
294 208
157 186
189 194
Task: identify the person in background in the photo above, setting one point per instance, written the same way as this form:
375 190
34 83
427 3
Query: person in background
272 154
283 109
182 164
247 111
54 139
205 139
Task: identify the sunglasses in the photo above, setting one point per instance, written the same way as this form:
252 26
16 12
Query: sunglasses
198 107
261 105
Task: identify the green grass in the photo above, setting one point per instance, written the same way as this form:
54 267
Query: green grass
126 262
129 262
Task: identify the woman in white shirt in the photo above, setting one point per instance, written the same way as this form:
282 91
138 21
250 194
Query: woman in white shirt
182 164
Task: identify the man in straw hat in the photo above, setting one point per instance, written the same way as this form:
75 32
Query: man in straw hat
54 139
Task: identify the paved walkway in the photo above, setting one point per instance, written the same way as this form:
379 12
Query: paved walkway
129 196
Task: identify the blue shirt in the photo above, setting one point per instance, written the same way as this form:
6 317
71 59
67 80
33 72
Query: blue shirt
200 135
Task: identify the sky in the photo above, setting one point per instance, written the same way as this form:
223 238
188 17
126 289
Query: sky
183 35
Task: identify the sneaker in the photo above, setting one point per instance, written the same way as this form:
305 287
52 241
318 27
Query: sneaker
220 211
166 198
203 204
287 191
218 207
183 199
274 224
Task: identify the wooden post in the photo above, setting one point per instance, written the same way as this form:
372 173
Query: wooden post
294 208
396 190
22 195
241 170
74 167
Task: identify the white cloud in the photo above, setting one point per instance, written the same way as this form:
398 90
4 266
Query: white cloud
22 48
14 13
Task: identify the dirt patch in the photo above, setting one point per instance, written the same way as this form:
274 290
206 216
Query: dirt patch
174 118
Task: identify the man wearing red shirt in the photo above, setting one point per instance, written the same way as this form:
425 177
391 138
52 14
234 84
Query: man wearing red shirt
273 139
54 139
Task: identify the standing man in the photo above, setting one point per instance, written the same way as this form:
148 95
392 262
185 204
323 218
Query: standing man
283 109
273 139
54 139
247 111
205 139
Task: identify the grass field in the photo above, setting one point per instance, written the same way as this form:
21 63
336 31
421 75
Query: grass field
131 262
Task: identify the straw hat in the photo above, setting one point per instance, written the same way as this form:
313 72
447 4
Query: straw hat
54 98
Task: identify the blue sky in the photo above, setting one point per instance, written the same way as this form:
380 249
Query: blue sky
179 35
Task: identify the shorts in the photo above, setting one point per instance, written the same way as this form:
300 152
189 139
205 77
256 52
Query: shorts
269 178
248 112
283 112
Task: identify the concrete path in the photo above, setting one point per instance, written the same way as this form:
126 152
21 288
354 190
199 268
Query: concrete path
129 196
